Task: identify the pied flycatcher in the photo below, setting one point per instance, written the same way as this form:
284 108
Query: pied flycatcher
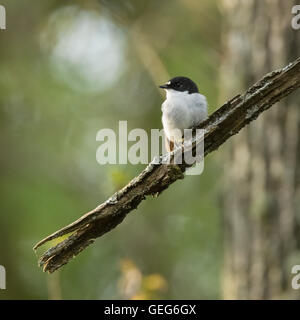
183 108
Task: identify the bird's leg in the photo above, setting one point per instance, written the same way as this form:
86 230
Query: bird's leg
169 145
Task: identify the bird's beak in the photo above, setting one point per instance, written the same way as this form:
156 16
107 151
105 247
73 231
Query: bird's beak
164 86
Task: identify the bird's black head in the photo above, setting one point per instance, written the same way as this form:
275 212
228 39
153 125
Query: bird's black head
181 84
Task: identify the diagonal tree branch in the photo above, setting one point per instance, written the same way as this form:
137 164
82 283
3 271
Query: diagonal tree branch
157 176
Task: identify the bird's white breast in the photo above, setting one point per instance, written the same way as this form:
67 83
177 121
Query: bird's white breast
182 110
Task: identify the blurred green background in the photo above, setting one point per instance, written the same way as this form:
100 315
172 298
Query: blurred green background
67 70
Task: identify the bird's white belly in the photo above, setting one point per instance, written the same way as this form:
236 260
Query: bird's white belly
182 111
175 120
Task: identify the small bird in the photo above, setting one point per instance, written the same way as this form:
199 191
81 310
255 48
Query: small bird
183 108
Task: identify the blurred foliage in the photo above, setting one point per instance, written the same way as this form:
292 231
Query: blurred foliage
67 70
134 285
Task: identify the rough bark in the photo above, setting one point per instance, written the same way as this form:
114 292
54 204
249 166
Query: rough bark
220 126
261 215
